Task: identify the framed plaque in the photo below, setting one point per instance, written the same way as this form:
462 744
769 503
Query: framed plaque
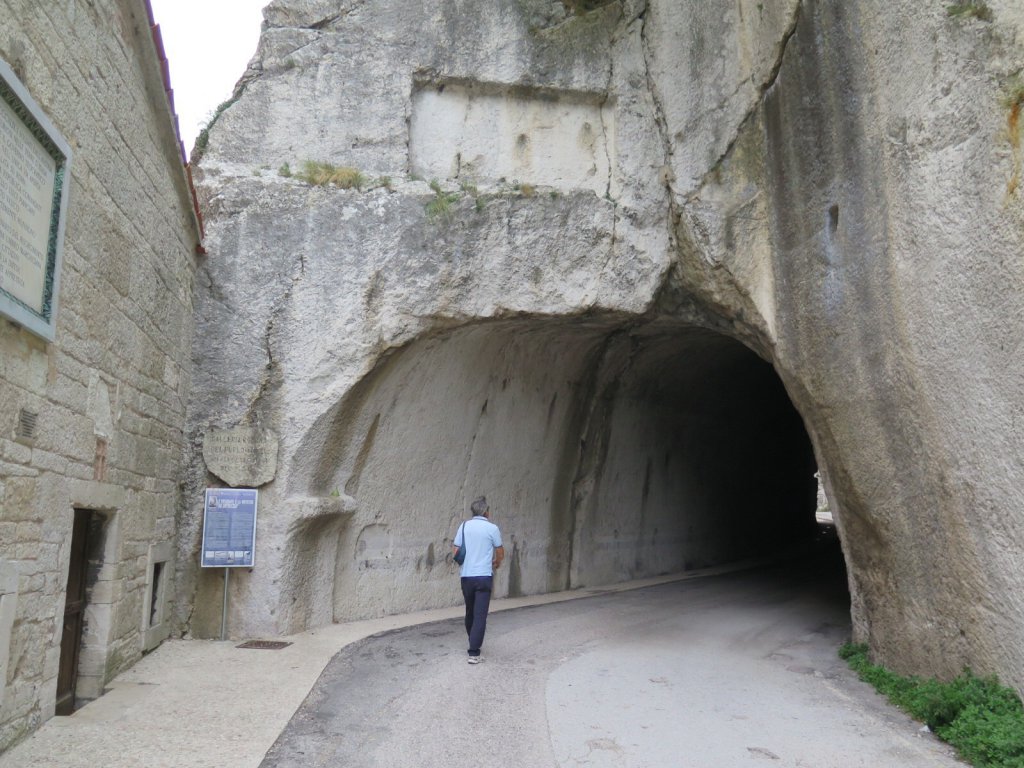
34 184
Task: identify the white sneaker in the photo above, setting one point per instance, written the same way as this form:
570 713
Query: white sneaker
475 659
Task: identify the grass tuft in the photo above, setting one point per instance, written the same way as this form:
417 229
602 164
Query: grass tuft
580 7
323 174
1014 94
977 9
982 719
441 204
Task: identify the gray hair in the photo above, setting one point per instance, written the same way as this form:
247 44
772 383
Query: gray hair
479 506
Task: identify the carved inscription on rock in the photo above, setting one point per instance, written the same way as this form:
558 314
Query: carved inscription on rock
242 456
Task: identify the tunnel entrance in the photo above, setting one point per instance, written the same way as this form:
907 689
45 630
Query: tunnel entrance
609 452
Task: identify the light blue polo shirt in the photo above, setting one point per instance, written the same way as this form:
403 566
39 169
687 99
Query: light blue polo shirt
482 537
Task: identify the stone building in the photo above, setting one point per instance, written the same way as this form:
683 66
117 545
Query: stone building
94 380
634 270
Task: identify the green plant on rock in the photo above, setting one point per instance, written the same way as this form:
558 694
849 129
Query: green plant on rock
981 718
580 7
321 174
203 139
977 9
440 205
285 171
1013 98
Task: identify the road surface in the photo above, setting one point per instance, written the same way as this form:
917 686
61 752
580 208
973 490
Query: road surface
735 670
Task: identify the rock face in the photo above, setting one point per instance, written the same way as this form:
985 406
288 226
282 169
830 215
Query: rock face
634 271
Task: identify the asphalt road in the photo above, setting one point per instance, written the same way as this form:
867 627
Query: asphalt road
736 670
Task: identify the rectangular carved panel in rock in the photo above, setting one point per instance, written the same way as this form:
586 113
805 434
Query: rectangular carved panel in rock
486 133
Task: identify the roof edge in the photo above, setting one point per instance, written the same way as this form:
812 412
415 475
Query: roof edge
165 75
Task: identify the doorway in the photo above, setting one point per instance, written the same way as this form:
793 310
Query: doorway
74 612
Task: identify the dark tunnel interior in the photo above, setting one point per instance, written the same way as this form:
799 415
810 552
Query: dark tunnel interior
609 453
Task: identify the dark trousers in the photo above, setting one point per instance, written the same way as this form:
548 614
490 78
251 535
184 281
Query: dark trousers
477 591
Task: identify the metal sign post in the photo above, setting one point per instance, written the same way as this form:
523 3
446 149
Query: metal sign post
229 535
224 609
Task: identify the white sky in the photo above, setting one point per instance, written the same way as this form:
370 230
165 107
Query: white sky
208 43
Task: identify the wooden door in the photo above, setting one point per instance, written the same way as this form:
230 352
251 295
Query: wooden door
74 613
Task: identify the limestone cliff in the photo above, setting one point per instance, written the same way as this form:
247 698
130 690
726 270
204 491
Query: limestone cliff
620 268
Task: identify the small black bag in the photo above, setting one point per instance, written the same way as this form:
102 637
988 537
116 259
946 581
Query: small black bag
460 553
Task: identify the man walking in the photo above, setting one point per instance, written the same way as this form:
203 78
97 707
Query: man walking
484 553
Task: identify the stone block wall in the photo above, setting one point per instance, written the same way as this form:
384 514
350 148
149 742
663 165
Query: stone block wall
93 420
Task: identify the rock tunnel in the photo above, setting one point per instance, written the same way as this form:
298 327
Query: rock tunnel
609 450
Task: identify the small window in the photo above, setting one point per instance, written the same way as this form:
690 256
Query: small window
155 624
155 617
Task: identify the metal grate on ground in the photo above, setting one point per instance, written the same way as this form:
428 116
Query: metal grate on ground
264 645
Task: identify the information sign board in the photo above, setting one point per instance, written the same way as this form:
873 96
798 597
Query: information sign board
229 528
